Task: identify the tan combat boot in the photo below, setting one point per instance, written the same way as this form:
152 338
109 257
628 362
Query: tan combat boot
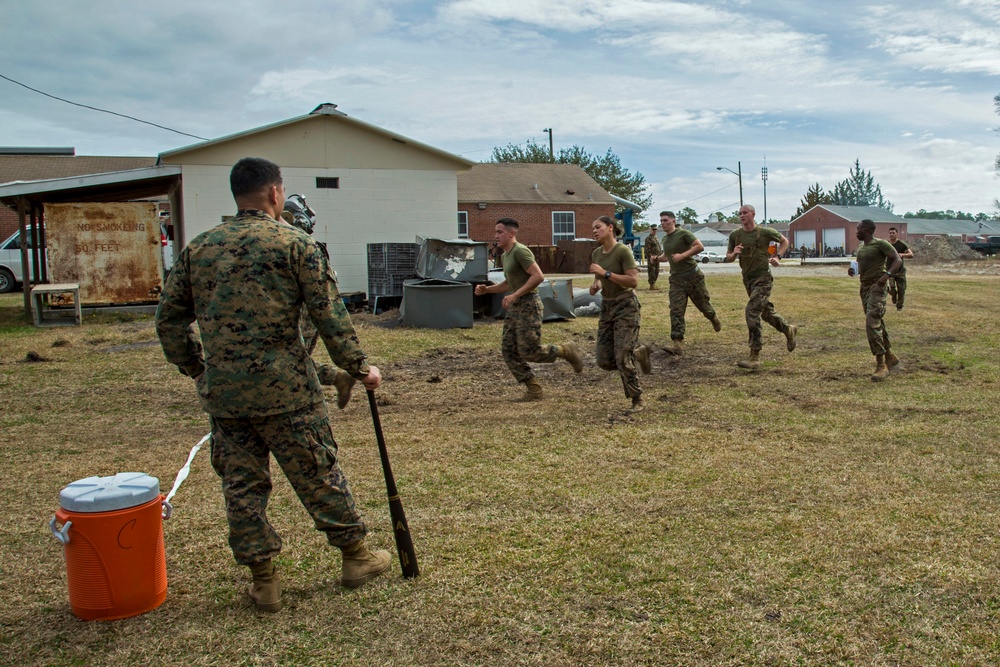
362 565
534 390
753 363
881 370
790 337
716 324
571 353
265 590
891 360
344 383
675 348
642 357
638 405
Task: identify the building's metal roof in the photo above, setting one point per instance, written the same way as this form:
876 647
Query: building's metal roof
858 213
329 110
950 227
530 183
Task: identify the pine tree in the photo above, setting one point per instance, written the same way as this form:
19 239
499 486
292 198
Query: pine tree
859 189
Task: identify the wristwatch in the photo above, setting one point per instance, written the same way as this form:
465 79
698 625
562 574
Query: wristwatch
607 274
888 274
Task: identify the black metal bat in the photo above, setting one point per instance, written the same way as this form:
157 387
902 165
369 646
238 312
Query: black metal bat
400 529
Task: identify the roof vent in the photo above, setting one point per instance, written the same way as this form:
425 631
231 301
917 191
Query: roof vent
571 192
326 109
535 186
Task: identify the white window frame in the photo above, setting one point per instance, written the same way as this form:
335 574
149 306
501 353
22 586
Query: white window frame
562 235
463 224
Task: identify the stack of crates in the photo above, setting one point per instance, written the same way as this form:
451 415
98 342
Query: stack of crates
389 264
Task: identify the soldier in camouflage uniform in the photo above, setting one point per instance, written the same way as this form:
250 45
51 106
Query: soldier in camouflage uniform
686 280
758 248
245 283
298 214
897 284
616 276
873 255
522 327
653 252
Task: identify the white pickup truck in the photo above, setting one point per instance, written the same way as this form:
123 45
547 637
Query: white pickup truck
11 271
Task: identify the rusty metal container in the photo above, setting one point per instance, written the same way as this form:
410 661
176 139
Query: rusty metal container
112 249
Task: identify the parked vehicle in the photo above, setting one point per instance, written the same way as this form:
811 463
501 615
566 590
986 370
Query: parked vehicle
707 256
989 245
11 271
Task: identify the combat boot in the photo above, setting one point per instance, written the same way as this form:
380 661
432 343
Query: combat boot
344 383
265 590
638 405
653 286
881 370
571 353
790 337
716 324
361 565
642 357
534 390
891 360
753 363
675 348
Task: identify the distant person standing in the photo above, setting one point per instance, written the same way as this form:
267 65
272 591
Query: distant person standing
522 327
873 256
616 276
686 280
758 249
897 284
653 252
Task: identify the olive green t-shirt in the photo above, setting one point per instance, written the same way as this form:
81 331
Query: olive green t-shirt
900 248
754 257
679 240
515 266
872 258
619 260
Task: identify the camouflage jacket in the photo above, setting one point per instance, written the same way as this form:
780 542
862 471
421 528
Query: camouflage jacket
245 282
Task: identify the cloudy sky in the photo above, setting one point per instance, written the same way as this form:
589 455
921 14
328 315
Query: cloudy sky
676 89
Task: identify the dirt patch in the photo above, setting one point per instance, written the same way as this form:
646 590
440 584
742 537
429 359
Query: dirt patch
941 249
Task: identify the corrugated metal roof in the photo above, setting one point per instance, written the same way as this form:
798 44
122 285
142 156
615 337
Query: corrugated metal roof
949 227
530 183
43 167
859 213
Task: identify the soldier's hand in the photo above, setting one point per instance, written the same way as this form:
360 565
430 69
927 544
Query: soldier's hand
373 379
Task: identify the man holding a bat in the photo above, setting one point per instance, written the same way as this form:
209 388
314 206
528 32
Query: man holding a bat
245 283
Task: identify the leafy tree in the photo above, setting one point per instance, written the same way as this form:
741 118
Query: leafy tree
814 196
859 189
687 216
606 169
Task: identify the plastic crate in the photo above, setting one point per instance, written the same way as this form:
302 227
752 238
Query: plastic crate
389 264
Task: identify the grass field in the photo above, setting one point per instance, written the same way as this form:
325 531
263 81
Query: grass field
798 515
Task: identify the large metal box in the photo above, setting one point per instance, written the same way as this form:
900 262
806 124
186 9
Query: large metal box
556 296
457 259
436 304
112 249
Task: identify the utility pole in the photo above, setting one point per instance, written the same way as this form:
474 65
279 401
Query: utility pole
552 155
763 175
739 174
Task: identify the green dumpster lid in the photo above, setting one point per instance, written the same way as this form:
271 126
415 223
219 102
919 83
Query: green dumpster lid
106 494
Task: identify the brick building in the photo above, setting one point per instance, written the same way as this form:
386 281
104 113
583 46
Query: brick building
829 230
552 202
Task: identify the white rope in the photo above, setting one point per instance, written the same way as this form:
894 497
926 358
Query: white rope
182 475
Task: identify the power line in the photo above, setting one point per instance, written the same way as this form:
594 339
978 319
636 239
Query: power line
113 113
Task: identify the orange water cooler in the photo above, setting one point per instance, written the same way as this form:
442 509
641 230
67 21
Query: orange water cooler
112 532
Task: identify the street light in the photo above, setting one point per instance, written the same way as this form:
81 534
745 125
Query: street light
552 156
739 175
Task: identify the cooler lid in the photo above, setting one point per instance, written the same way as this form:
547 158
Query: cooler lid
107 494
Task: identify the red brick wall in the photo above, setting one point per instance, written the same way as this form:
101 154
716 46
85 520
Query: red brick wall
819 219
535 220
8 222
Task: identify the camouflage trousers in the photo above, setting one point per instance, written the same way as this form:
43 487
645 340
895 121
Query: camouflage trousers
873 303
652 270
897 289
617 338
759 307
689 285
304 448
522 338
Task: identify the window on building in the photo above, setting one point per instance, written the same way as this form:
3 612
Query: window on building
563 226
330 183
463 224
